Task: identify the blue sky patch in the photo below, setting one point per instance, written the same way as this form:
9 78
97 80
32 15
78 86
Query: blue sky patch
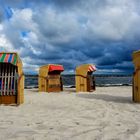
24 33
8 12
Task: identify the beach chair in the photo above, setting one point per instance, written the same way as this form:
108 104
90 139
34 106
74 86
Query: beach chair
50 78
11 79
136 77
85 82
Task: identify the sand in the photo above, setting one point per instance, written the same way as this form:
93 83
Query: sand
106 114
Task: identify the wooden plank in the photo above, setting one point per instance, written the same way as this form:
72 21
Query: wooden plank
7 99
84 82
94 84
6 76
4 80
78 83
14 80
8 80
54 84
138 89
89 83
1 79
10 72
11 79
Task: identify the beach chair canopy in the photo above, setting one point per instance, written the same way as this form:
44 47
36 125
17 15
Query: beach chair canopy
6 57
85 68
53 67
44 70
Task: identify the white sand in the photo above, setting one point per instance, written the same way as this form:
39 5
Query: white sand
107 114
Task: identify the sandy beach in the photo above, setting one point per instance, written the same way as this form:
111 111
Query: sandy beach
106 114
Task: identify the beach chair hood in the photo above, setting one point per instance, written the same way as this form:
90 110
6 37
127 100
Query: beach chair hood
85 68
44 70
12 58
56 68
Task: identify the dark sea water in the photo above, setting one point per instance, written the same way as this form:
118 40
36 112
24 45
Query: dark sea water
101 80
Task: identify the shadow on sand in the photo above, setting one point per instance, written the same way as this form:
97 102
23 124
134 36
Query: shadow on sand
107 98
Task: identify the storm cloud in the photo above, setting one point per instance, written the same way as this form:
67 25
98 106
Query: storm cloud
71 33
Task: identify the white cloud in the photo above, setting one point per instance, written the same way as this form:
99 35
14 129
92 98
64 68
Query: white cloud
22 19
5 44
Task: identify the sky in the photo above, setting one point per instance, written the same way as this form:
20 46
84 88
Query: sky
71 33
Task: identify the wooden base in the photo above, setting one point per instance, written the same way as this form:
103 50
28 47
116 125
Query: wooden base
8 100
54 89
135 88
91 89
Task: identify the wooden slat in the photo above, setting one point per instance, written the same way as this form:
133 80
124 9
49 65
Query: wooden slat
4 78
8 80
11 80
1 79
8 77
14 81
9 83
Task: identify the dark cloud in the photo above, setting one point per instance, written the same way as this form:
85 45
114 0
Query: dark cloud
72 32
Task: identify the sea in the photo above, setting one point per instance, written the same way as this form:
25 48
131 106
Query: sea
101 80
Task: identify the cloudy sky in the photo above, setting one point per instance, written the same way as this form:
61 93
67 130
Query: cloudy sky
71 32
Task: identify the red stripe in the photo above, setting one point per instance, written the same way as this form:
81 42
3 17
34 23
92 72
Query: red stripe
0 54
89 68
92 68
12 57
6 58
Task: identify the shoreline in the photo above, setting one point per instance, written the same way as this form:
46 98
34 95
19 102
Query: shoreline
73 86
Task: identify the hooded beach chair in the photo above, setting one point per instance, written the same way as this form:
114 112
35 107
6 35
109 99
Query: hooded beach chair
11 79
84 80
50 78
136 77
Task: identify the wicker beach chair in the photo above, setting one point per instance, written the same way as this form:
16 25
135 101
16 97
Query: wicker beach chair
11 79
50 78
85 82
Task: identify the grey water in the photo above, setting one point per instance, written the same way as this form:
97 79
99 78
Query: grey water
31 81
